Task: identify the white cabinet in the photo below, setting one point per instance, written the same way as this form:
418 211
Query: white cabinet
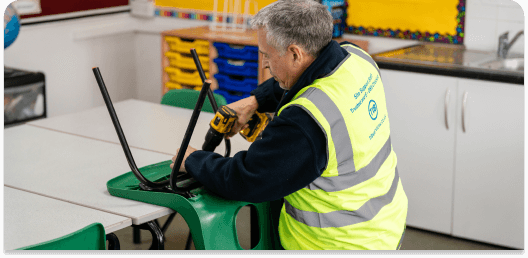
489 163
424 144
460 149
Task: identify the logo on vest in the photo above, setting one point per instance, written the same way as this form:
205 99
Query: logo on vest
373 109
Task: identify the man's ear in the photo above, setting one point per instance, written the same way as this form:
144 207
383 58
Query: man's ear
296 52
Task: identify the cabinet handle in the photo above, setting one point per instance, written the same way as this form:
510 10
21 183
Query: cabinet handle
464 112
446 104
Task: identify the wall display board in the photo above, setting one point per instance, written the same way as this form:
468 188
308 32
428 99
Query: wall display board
56 7
424 20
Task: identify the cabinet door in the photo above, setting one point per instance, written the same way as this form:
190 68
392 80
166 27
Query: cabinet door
489 179
424 144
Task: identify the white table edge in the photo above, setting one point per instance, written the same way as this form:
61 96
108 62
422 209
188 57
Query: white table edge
134 220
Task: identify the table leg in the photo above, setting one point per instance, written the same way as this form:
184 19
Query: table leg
167 223
188 243
158 240
136 235
113 242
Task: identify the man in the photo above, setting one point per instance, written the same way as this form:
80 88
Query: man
328 149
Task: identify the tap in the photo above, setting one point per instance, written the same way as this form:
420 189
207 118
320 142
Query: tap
504 45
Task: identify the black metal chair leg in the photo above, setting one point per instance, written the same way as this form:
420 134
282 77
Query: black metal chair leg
167 223
158 240
189 241
113 242
136 235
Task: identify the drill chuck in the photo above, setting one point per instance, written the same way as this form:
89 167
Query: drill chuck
212 139
221 124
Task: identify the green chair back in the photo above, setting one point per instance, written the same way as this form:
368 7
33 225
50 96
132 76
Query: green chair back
91 237
186 98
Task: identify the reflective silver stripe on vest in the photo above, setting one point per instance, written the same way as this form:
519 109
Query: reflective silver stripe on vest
362 55
343 147
344 218
345 181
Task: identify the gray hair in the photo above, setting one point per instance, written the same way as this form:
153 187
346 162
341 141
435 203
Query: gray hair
305 23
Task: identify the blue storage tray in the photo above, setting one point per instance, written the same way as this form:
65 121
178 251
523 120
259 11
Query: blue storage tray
236 52
231 96
237 67
236 83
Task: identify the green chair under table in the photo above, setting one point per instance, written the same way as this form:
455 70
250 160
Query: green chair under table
186 98
91 237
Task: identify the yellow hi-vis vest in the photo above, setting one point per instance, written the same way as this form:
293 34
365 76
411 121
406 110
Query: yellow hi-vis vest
358 202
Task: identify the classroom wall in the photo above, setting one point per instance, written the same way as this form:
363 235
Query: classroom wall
128 51
487 19
65 52
148 54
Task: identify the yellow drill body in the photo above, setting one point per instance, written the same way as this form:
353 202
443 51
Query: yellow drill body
223 122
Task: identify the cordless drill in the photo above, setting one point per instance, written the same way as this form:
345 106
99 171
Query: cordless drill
223 122
256 123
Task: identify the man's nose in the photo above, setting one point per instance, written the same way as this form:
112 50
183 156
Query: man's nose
265 63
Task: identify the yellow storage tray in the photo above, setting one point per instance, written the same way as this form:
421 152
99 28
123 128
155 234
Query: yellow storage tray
183 76
184 45
185 61
175 85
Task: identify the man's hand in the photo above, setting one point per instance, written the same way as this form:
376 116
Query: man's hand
245 108
187 153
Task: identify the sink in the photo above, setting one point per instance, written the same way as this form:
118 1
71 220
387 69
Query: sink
511 64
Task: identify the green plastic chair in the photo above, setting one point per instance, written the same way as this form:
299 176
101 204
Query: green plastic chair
211 218
186 98
91 237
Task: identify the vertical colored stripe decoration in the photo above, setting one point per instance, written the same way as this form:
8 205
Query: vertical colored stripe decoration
190 15
184 15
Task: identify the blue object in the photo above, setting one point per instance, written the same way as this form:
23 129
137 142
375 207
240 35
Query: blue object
231 96
237 67
228 51
236 83
11 25
338 10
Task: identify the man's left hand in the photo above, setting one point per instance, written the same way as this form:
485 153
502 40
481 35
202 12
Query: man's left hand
187 153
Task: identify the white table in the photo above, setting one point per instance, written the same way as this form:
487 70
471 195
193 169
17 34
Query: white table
146 125
74 169
31 219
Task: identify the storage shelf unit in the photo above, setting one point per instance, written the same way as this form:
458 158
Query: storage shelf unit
237 66
181 72
237 70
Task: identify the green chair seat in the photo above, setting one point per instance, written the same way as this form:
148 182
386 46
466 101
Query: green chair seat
186 98
211 218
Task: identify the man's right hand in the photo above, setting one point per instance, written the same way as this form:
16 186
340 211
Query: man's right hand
245 108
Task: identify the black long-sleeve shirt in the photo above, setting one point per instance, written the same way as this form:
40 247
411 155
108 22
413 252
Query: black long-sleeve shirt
291 154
